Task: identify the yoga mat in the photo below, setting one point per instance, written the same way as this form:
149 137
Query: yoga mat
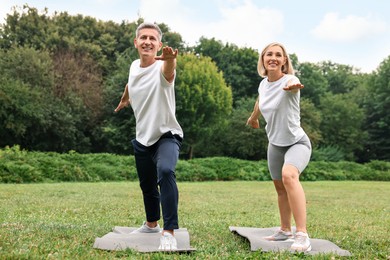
257 242
121 239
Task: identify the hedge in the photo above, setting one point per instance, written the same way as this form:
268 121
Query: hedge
21 166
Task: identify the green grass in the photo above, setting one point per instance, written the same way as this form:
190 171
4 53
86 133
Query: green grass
62 220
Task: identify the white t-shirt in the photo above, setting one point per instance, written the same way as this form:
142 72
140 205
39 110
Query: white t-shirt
153 101
281 111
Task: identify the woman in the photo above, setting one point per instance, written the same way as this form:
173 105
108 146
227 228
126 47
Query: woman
289 147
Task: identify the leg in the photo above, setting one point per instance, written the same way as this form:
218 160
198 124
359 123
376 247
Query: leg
147 175
297 201
275 158
166 157
297 158
284 206
296 196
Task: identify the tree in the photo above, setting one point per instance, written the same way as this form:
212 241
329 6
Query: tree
203 98
78 82
311 120
172 39
341 78
239 140
239 65
116 131
378 116
40 120
313 80
342 122
21 110
26 79
27 28
28 65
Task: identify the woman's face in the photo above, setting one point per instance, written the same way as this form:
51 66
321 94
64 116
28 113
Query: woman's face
274 59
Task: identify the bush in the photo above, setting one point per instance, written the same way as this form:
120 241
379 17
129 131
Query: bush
20 166
187 171
328 153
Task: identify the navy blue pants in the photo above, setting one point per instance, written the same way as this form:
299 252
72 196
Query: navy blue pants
156 172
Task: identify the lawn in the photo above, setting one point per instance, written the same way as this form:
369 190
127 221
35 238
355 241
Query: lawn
62 220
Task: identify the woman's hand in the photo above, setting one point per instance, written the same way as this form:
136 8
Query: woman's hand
294 88
253 122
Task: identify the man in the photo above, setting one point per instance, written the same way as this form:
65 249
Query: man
150 92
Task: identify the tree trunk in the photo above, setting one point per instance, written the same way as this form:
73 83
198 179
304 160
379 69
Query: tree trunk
190 152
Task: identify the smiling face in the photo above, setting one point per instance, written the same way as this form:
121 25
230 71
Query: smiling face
147 43
274 59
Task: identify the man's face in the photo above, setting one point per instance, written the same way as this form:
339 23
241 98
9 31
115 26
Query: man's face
148 43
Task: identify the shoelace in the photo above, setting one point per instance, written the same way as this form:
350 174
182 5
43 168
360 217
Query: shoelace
300 238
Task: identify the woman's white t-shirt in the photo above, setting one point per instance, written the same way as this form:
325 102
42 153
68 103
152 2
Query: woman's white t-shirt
281 111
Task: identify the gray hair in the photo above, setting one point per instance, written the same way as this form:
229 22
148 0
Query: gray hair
147 25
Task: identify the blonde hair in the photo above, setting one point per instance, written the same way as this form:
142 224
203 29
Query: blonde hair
287 68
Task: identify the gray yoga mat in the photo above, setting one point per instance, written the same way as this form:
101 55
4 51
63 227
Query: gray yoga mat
121 239
257 241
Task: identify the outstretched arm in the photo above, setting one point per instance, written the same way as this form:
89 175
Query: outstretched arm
125 101
169 57
253 120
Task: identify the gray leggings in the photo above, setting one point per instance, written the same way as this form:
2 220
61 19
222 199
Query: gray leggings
297 154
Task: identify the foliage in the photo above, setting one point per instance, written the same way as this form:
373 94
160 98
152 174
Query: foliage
331 153
21 166
116 130
378 116
239 65
62 76
311 120
342 121
341 78
203 98
235 139
28 65
315 83
32 115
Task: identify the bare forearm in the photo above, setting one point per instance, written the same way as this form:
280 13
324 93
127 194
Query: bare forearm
256 111
125 100
253 120
169 57
169 69
125 95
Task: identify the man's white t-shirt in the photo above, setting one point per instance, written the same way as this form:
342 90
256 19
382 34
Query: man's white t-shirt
281 111
152 98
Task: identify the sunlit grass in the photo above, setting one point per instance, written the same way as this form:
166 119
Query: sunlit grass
61 221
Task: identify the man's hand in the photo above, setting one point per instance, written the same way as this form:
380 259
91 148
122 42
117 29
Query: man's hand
121 105
167 54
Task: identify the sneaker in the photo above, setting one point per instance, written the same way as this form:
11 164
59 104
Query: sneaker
301 242
280 235
145 229
167 242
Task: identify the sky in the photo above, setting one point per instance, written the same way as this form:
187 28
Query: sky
348 32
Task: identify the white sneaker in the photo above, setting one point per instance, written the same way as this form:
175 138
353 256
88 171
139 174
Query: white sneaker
301 242
167 242
280 235
145 229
